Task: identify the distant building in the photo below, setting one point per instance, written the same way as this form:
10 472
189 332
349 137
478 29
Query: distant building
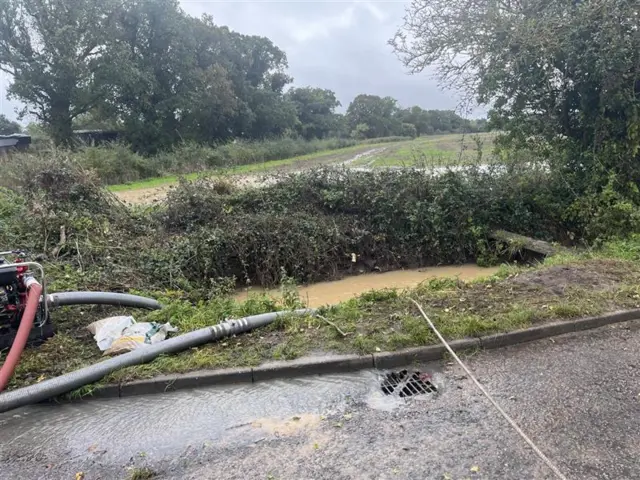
16 141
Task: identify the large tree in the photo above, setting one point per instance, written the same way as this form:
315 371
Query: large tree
258 71
159 80
378 114
565 72
60 55
193 80
315 108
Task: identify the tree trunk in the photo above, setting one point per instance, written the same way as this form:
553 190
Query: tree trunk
60 123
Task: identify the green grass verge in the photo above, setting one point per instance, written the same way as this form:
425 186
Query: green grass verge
567 286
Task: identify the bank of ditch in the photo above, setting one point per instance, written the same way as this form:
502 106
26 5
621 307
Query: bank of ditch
379 320
208 238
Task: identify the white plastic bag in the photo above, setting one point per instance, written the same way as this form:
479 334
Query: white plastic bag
122 334
105 331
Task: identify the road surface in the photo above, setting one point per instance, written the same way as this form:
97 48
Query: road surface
577 396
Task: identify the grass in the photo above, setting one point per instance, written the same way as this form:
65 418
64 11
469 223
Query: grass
567 286
439 150
324 155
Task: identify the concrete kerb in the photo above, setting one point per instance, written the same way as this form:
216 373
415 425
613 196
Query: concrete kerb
332 364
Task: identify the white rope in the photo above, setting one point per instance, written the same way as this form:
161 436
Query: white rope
544 458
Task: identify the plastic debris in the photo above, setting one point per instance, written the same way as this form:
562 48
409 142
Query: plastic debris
121 334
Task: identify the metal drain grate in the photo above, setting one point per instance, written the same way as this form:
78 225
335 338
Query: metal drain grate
407 384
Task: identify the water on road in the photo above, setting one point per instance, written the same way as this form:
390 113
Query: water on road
158 426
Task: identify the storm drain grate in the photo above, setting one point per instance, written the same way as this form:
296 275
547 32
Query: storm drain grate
407 384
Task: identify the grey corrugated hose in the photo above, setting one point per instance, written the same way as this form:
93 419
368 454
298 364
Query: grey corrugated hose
61 299
71 381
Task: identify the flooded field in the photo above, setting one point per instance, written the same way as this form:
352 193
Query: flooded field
329 293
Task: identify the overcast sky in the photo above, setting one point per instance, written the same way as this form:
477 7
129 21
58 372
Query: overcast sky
340 45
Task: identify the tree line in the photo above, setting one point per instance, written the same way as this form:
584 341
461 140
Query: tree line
160 76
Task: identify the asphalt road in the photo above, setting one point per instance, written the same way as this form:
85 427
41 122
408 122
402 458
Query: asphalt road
577 396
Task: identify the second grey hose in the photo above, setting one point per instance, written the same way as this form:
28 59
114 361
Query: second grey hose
61 299
71 381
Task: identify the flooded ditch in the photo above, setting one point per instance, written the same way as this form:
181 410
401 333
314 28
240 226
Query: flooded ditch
329 293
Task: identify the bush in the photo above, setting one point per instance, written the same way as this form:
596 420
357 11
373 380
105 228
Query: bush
116 163
409 130
259 248
309 226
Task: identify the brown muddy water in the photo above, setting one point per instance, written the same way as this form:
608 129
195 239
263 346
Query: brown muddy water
330 293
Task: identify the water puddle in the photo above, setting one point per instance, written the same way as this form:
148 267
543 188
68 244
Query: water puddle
164 424
329 293
159 425
363 155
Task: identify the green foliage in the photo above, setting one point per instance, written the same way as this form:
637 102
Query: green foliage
409 130
428 122
370 116
360 131
306 226
378 114
562 79
315 108
12 206
626 249
310 224
438 284
116 163
289 291
8 127
224 84
58 54
607 214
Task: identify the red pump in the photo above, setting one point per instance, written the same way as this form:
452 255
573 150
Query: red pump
34 290
22 307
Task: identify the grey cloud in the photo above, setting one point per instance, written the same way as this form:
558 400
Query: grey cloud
337 45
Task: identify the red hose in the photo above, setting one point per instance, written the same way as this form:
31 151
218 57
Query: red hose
29 315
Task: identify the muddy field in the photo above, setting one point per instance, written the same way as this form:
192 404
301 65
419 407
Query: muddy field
438 152
258 177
